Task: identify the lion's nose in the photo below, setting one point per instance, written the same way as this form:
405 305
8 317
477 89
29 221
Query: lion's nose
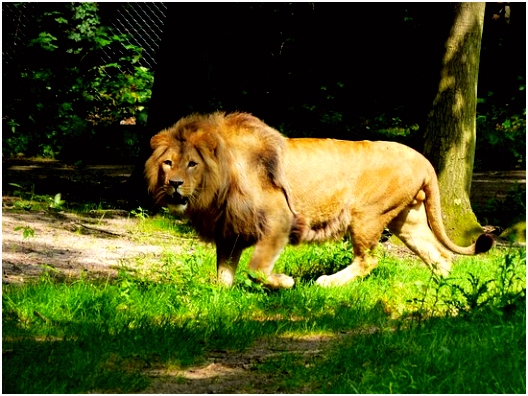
175 183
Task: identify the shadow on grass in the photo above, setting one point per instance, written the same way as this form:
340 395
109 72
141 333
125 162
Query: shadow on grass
344 350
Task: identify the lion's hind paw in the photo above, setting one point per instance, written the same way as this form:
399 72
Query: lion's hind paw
328 281
339 278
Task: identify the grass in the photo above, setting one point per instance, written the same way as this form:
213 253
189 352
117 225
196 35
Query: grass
396 331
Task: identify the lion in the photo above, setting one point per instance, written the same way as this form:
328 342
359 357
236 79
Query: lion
242 183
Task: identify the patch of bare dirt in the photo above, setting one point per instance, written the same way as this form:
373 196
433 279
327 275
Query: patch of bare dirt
66 246
61 243
236 372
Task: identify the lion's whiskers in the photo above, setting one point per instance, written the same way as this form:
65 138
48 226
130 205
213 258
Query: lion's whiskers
160 194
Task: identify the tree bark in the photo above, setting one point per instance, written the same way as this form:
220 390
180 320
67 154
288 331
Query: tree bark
450 133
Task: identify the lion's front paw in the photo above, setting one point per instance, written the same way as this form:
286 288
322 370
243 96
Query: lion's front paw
279 281
226 277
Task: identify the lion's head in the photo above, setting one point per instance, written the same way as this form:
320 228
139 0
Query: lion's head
185 167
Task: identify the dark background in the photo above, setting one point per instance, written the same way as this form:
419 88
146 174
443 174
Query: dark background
344 70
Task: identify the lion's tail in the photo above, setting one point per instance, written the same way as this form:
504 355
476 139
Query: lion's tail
298 229
483 243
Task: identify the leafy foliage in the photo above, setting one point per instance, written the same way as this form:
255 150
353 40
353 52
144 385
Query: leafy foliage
501 294
501 132
65 93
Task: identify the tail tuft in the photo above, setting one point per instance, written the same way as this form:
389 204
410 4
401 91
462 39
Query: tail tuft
484 243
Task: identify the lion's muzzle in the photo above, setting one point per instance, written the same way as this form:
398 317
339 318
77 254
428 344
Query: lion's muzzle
176 199
172 195
175 183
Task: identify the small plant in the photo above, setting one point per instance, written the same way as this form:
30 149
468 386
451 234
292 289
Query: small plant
56 203
468 299
27 231
251 281
140 213
23 203
510 286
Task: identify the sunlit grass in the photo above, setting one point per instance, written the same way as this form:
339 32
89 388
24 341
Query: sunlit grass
403 331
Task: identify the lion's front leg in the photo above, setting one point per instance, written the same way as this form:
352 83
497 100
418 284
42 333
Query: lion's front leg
227 258
267 251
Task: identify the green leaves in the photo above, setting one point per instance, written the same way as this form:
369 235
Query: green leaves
70 92
45 41
27 231
473 293
56 203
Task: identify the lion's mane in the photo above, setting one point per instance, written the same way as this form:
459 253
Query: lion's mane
241 155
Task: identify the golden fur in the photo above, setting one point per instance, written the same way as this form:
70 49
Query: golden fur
242 183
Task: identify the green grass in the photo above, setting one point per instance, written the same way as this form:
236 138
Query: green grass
400 331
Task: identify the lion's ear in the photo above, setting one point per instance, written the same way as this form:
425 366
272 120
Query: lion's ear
205 140
211 141
159 140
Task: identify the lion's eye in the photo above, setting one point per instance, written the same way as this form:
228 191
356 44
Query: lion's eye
192 164
168 162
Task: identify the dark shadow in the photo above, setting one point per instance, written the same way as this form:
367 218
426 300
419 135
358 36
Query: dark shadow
96 184
96 357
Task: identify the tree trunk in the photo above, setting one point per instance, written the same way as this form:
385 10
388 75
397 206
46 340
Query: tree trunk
450 133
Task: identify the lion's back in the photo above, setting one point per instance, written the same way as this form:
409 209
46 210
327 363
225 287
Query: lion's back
331 179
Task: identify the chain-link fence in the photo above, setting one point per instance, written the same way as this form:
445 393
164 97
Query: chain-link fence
18 21
142 23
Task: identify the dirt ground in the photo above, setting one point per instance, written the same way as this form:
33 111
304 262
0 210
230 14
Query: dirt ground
62 243
66 245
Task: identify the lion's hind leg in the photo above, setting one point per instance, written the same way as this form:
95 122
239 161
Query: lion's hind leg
361 266
412 228
365 233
